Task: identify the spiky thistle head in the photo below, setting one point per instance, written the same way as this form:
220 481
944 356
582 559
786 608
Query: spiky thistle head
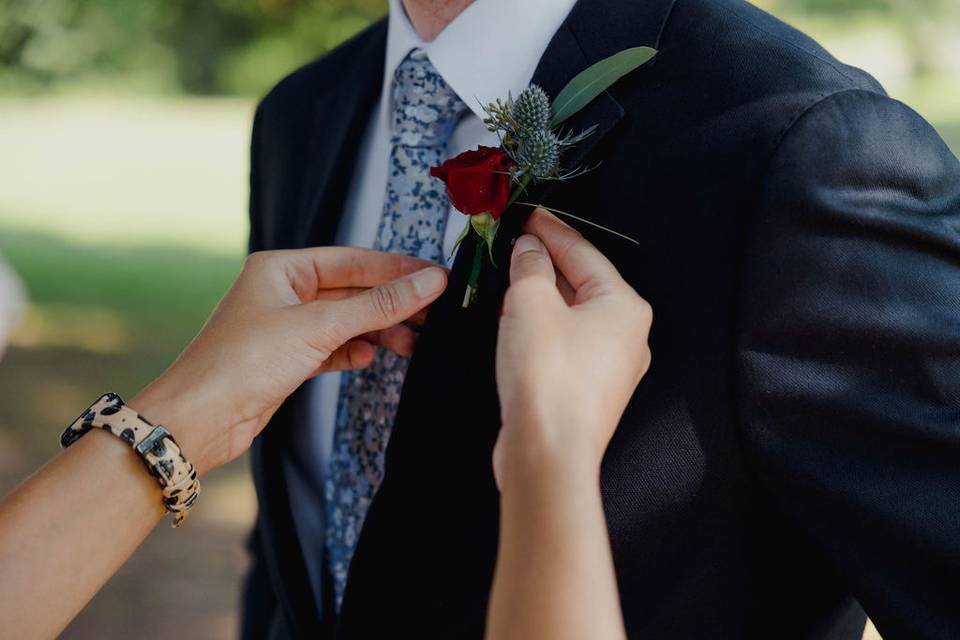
531 109
539 154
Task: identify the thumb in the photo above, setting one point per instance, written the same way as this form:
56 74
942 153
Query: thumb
533 281
531 260
384 305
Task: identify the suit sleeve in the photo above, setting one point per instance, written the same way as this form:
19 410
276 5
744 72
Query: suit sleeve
848 353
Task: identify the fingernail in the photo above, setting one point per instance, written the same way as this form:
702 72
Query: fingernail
429 281
528 243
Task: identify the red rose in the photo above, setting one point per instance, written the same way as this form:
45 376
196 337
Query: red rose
477 181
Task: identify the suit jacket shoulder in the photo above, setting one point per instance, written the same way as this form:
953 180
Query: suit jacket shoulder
295 126
322 75
744 46
723 58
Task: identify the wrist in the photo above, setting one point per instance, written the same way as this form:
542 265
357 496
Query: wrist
533 480
182 413
157 450
536 448
112 453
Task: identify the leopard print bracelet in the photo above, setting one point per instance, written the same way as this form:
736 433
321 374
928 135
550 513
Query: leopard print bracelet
156 447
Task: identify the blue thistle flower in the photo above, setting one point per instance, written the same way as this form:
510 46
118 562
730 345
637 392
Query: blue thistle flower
539 154
531 109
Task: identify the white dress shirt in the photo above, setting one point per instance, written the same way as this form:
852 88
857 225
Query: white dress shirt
491 49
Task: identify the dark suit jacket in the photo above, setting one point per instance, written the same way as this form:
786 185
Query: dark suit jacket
795 448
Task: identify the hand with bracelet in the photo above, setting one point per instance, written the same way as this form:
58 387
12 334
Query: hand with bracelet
289 316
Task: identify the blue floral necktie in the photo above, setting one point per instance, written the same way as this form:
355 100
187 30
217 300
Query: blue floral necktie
425 111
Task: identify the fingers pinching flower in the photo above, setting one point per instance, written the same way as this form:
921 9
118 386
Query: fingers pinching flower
565 370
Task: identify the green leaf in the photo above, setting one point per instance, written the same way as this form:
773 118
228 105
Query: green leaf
595 79
461 237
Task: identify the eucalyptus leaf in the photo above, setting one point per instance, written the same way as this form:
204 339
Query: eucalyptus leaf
595 79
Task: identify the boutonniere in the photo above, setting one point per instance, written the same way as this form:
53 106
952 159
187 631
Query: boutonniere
484 183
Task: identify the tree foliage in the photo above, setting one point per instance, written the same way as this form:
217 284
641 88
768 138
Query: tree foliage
244 46
193 46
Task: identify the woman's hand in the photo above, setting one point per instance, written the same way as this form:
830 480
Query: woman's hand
572 348
290 315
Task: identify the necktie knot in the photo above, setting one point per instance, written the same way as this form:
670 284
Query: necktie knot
425 108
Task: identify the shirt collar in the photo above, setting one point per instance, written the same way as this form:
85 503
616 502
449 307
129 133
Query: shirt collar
491 49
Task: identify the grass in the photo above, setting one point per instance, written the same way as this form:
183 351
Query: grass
165 290
159 171
105 317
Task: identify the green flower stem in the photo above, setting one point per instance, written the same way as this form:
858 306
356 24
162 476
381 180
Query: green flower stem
519 189
474 282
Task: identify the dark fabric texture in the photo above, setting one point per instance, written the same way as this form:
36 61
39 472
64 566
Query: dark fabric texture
794 450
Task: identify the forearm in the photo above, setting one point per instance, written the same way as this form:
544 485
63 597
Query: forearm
554 576
66 531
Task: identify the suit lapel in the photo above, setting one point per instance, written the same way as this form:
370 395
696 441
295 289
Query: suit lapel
340 120
583 39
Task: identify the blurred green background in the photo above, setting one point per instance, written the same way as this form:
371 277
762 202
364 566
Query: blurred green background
124 129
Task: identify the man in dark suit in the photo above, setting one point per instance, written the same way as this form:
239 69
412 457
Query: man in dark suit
793 456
